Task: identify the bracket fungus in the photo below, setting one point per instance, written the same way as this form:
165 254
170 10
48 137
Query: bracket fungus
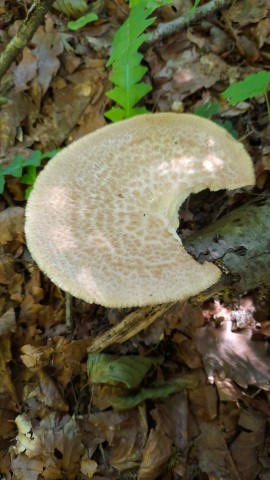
101 220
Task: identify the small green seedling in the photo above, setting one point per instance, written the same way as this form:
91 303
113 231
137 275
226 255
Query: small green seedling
25 169
252 86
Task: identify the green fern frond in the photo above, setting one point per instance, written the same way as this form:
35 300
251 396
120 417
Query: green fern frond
127 71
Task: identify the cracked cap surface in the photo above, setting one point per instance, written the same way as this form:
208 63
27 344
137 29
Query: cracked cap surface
101 220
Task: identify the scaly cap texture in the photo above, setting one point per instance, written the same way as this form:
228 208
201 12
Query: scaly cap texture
101 220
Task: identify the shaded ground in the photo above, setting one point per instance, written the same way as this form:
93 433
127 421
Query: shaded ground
212 359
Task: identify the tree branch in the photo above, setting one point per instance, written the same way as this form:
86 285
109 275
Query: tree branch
26 31
164 30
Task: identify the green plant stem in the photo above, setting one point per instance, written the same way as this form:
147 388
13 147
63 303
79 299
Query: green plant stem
34 18
164 30
268 105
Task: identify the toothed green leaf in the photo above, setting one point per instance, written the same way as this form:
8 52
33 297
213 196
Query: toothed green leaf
127 71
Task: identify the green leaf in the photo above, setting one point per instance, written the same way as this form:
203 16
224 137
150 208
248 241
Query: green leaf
2 179
19 163
34 160
125 59
115 114
207 110
228 126
30 176
15 167
252 86
118 94
37 157
114 370
50 154
136 73
82 21
157 391
27 192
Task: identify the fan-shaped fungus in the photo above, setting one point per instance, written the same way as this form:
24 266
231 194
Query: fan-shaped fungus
101 220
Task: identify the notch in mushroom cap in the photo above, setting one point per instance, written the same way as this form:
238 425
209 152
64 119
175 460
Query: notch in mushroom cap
101 220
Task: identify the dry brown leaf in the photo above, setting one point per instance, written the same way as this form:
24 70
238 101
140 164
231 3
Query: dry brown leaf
234 355
245 12
62 116
51 446
211 453
17 108
26 468
15 288
64 355
5 465
247 48
228 421
36 313
16 188
25 71
203 399
172 418
11 224
8 322
227 390
125 433
6 269
6 384
185 317
186 351
157 452
50 394
261 33
104 395
186 74
248 443
48 47
68 357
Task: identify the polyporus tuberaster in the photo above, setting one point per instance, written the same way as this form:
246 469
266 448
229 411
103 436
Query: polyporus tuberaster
101 220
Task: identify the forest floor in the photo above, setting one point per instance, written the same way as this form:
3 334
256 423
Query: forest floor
199 408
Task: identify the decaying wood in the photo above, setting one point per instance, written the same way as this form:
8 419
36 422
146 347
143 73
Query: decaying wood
240 245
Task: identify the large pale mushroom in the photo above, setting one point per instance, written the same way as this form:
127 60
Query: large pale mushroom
101 220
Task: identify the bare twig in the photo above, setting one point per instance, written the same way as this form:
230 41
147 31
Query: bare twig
127 328
164 30
69 317
142 318
34 18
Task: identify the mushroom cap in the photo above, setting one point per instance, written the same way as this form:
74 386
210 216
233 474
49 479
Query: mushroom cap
101 220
